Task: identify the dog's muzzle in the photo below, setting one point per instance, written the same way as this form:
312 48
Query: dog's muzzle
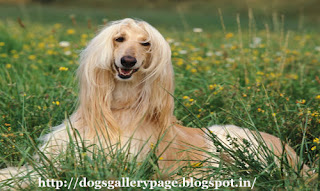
126 69
124 73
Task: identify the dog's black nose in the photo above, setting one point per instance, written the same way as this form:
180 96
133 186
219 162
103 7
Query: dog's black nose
128 61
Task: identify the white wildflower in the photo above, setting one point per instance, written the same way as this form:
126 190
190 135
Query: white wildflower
170 40
197 30
195 49
64 44
256 41
183 52
209 53
218 53
230 60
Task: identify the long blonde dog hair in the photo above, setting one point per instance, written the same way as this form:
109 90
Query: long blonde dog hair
97 83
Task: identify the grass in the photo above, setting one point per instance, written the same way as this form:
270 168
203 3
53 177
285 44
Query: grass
264 78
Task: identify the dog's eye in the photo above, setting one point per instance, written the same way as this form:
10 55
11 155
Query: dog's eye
119 39
145 44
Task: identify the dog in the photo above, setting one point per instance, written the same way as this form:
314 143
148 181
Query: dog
126 94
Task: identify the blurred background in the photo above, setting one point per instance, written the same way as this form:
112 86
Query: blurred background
177 14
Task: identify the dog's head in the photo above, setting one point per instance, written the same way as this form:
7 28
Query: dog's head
126 52
132 49
127 47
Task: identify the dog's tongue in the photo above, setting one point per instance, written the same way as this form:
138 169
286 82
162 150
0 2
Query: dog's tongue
125 71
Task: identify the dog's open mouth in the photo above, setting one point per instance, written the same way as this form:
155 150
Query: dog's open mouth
125 73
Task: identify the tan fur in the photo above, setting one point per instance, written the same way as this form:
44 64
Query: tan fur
138 108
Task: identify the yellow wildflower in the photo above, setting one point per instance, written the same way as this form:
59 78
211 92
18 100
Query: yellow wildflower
197 164
71 31
274 114
318 97
193 70
185 97
41 45
293 76
50 52
229 35
191 100
262 46
84 154
84 36
260 73
63 69
316 140
180 62
55 103
315 114
187 104
313 148
32 57
2 43
303 101
57 25
211 87
8 66
160 158
217 62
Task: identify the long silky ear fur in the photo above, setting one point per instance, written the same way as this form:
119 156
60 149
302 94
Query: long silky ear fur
160 79
96 85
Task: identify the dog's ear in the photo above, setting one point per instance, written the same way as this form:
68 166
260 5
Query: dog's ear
99 52
160 76
97 82
160 60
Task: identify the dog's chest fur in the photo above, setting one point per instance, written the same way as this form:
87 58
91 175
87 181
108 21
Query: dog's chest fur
124 109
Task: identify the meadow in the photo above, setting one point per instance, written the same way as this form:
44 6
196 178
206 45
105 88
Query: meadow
259 76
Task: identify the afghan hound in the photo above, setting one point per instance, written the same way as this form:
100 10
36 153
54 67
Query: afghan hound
126 94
